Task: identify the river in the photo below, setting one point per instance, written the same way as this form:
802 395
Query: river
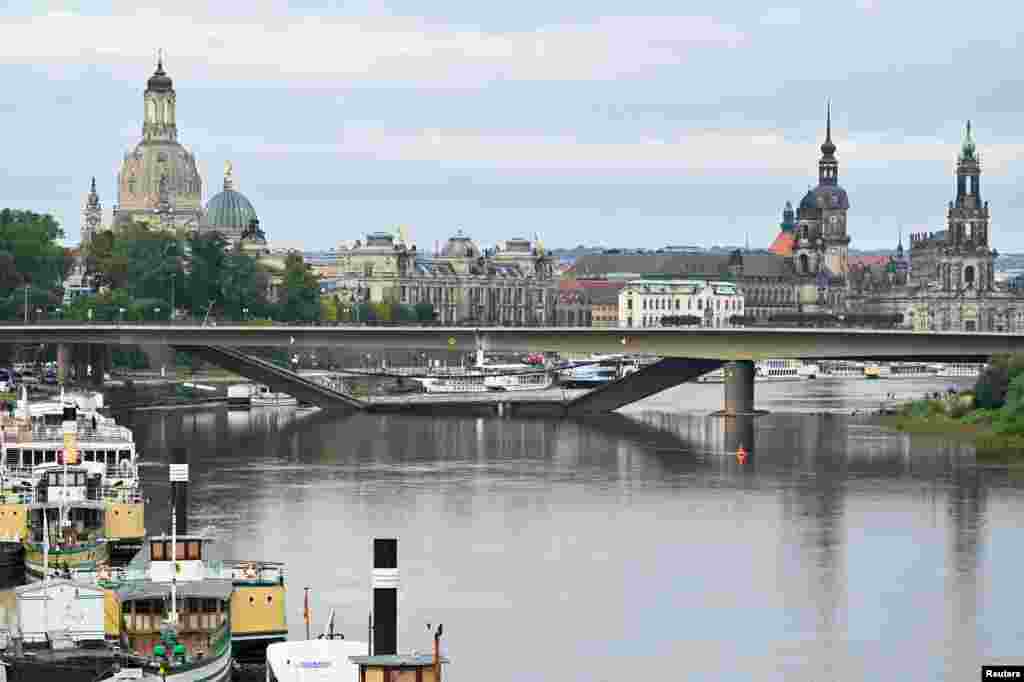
632 546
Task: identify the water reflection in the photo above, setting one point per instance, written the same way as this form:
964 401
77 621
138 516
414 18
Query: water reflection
613 548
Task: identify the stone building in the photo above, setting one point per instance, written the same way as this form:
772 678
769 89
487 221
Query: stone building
230 213
646 302
512 285
951 283
159 182
767 282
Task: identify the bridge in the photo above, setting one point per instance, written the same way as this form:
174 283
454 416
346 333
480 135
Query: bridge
687 352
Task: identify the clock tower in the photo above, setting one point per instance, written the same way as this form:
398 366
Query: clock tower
92 215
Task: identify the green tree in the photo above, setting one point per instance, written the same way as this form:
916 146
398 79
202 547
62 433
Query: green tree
208 256
329 308
31 240
364 312
243 286
300 291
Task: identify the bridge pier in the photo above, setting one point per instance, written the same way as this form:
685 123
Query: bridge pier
739 388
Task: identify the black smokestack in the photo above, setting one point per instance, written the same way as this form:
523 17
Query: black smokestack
179 490
385 597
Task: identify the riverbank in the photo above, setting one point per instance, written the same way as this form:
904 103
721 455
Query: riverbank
976 426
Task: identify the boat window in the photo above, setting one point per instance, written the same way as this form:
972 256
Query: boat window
124 455
79 478
37 457
51 456
210 605
53 478
157 551
193 550
179 551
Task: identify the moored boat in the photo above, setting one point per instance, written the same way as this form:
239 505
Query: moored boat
67 467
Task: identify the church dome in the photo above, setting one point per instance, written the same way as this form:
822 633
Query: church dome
460 246
151 160
230 210
825 197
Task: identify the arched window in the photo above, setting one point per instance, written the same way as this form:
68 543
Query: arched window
969 275
805 263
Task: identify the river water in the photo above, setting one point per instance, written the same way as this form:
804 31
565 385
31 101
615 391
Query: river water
631 546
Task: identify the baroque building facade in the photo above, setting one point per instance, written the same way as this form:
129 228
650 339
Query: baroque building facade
951 283
512 285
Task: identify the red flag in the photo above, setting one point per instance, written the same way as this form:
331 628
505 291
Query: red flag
305 608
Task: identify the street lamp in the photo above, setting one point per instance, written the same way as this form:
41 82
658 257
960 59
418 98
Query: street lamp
245 314
121 310
39 312
156 313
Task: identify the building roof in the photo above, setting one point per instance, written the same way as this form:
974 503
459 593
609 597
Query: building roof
230 209
867 261
783 244
708 266
204 589
397 661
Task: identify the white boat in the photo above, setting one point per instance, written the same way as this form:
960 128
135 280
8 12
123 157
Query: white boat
240 394
778 370
911 370
314 660
75 470
809 370
961 369
464 382
588 376
843 369
521 380
262 396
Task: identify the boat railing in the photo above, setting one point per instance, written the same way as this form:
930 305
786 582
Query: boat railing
21 433
106 494
252 571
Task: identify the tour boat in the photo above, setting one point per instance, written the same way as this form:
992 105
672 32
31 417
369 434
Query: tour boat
263 396
778 370
961 369
910 370
809 370
240 395
843 369
71 469
465 382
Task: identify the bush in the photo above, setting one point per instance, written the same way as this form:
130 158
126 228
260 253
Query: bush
991 387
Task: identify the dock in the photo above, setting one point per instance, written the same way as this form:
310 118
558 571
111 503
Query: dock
545 402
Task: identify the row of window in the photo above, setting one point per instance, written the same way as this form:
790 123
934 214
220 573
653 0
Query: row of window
727 304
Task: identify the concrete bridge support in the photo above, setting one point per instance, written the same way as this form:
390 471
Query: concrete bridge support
99 358
739 388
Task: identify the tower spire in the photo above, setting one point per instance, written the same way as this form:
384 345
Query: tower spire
828 148
160 60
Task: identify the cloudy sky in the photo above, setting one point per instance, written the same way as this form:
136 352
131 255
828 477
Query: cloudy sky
573 119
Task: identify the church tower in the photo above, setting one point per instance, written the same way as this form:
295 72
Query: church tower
92 215
159 182
158 121
970 260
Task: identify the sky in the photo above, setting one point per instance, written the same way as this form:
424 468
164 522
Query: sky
678 123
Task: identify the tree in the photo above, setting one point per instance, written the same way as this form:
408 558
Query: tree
242 286
208 255
328 308
300 294
31 239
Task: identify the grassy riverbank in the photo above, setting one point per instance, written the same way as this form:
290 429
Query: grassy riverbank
998 437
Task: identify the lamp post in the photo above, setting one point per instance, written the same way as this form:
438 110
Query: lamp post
245 314
39 313
156 314
26 304
121 310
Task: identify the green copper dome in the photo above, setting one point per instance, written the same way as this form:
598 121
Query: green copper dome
229 209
